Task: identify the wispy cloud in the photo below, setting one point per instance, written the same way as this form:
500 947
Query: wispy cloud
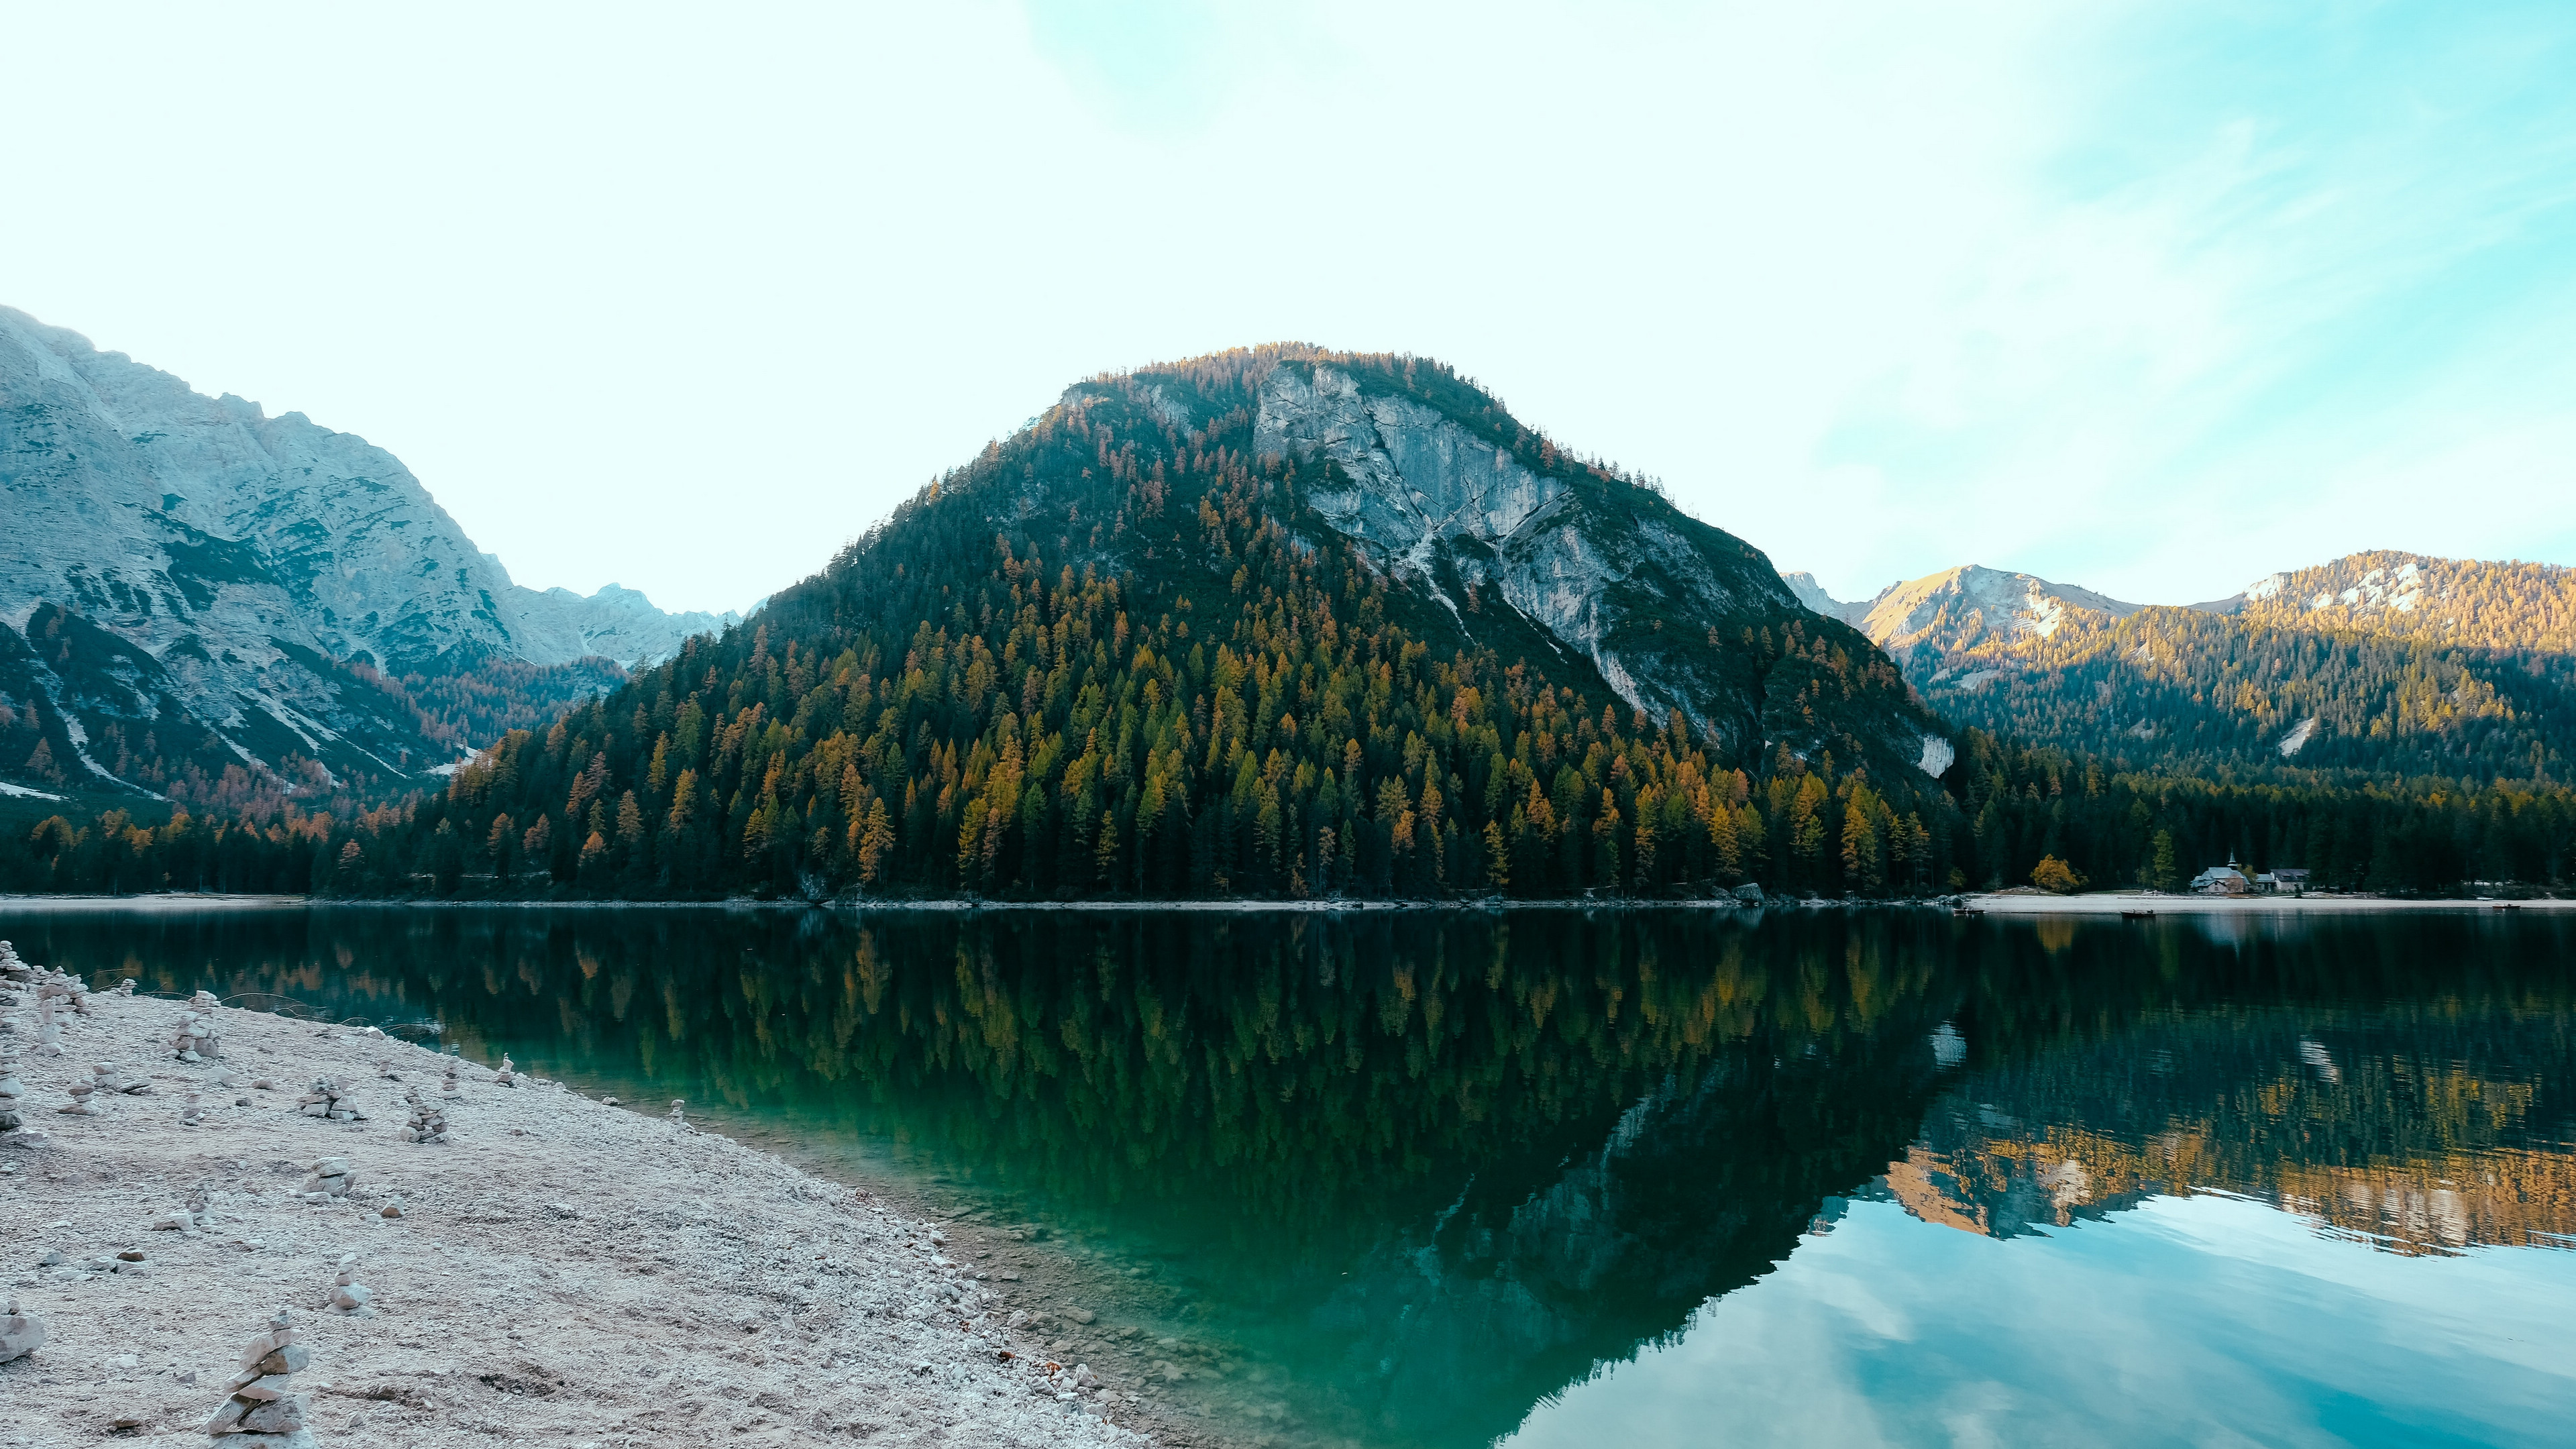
2276 292
2150 297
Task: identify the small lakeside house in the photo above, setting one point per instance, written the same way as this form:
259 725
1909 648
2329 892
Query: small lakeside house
2222 880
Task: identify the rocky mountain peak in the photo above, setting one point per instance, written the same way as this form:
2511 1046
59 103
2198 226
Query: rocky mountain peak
1959 607
254 576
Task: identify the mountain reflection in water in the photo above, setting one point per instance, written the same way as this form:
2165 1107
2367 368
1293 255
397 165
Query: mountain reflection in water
1423 1171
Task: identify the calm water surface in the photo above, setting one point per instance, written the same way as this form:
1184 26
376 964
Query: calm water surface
1549 1178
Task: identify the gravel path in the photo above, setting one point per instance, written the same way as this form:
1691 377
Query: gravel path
564 1271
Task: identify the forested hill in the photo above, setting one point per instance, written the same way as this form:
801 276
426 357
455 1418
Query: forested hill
2372 669
1185 635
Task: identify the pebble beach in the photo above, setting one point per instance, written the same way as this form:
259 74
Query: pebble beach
452 1256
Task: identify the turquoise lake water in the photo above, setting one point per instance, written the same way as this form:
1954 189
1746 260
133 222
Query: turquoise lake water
1639 1178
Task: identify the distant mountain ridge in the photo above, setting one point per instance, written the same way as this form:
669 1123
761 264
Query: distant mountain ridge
1957 607
239 589
2380 662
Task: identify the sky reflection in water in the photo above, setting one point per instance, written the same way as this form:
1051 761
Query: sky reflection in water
2199 1320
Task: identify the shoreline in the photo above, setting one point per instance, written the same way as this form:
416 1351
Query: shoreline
1995 903
563 1270
2112 903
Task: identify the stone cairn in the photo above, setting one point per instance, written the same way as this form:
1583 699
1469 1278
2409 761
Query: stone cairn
197 1038
194 1218
126 986
265 1410
49 1032
425 1124
331 1180
20 1334
679 1115
192 1113
449 1088
66 988
508 1076
50 987
348 1295
105 1082
329 1099
11 1089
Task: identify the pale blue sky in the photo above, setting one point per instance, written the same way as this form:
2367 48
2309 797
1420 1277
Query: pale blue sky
2152 298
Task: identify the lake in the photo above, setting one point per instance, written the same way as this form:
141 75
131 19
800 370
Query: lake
1551 1177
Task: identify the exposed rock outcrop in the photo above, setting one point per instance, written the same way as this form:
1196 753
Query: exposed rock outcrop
1564 560
171 554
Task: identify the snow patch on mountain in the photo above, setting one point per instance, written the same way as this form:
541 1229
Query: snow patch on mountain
2298 737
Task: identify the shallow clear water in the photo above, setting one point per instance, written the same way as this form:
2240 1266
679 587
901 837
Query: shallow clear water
1556 1178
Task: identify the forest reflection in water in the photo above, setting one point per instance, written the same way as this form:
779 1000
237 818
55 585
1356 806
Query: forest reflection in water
1421 1171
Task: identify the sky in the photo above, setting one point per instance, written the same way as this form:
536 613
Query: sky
2155 299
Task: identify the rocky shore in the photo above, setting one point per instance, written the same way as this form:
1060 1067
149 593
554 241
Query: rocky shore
543 1269
2106 903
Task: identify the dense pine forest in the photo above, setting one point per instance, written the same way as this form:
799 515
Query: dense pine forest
434 708
1795 831
2375 667
2184 692
1119 655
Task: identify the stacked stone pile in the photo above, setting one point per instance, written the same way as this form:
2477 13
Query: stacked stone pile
679 1115
196 1037
426 1123
11 1089
265 1410
508 1076
49 1032
449 1087
331 1179
348 1295
204 1000
327 1098
64 987
196 1217
192 1113
20 1334
105 1082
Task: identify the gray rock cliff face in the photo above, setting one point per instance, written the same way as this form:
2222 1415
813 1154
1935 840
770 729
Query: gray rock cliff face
235 564
1660 604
